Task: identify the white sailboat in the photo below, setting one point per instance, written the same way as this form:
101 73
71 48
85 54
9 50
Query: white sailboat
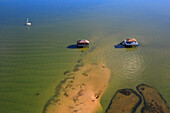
28 23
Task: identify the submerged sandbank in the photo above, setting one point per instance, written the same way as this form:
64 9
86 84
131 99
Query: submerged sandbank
153 100
80 91
128 100
124 101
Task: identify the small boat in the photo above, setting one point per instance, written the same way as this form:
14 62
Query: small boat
130 42
28 23
82 43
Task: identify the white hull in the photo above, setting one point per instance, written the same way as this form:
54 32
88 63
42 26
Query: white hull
131 44
28 24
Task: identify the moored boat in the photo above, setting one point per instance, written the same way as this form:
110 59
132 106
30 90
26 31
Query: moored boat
82 43
130 42
28 23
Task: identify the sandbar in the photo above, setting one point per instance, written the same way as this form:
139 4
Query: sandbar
80 91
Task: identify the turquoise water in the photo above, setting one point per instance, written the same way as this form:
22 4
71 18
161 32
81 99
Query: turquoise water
32 62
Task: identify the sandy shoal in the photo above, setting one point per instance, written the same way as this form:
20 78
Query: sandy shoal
81 91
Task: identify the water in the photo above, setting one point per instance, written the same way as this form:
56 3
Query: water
32 62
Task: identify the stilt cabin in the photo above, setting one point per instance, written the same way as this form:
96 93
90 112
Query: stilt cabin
130 42
82 43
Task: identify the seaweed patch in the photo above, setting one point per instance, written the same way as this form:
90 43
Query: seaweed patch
84 74
125 92
66 72
79 61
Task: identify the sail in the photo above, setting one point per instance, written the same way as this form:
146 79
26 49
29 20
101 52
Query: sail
27 20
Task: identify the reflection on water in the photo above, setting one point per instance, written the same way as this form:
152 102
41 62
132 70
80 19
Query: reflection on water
74 46
131 49
133 64
129 63
28 28
119 46
83 49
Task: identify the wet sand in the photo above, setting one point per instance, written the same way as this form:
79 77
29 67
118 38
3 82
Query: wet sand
80 91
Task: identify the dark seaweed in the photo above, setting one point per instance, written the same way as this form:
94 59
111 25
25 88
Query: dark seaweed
84 74
37 94
66 72
57 89
125 92
79 61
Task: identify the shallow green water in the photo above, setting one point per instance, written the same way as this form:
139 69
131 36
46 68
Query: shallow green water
32 62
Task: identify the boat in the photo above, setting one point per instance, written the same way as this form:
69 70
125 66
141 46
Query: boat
82 43
28 23
130 42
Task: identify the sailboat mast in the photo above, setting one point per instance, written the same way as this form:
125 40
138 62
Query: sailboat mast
27 20
28 23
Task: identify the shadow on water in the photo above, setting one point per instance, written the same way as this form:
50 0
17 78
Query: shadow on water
82 49
128 48
119 46
72 46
